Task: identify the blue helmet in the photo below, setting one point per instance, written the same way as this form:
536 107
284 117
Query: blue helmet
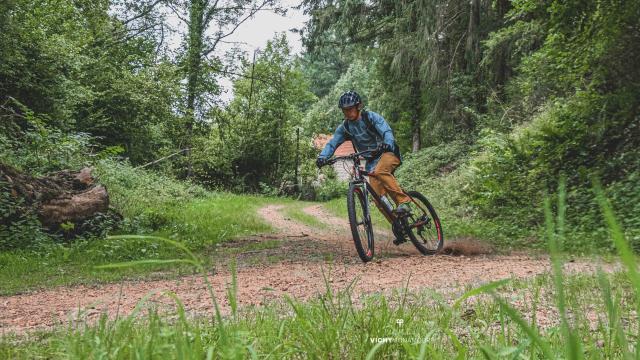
349 99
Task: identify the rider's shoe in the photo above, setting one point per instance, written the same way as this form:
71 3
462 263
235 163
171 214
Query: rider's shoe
403 209
397 241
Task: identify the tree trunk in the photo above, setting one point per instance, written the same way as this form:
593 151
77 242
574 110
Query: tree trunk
502 69
58 198
416 136
194 65
473 36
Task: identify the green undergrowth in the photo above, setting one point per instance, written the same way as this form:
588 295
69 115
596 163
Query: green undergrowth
200 223
487 193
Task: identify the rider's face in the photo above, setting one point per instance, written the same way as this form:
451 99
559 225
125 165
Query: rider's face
351 113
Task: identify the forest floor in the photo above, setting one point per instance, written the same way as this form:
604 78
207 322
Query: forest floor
299 260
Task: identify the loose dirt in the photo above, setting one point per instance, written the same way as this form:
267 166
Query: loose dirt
298 260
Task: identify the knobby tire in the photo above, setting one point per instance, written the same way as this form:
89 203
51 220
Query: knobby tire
361 227
427 238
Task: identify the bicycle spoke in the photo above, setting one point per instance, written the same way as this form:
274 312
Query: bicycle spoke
423 226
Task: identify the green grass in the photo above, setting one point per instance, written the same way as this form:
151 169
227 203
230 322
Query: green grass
551 316
295 211
340 325
217 218
199 223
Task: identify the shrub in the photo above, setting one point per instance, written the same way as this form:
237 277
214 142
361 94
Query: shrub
418 169
331 189
142 196
19 226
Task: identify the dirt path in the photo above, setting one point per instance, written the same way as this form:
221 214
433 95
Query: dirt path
302 257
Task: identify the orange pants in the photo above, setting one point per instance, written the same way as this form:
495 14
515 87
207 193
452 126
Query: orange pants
383 181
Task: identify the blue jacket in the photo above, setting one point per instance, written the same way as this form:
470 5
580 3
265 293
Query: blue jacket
362 138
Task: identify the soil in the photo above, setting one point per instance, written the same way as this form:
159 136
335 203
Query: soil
297 260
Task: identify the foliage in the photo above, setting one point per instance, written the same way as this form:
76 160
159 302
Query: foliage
84 70
19 227
144 197
255 138
331 189
324 116
588 127
323 68
419 169
427 57
31 145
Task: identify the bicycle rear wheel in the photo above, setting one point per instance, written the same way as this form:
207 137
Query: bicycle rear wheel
361 228
423 226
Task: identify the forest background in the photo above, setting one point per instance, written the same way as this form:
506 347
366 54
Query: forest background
492 102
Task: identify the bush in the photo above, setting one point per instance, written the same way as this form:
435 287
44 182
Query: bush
331 189
142 196
19 227
418 169
514 172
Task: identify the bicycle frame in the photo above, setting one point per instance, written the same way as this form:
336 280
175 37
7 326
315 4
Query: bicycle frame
409 225
359 179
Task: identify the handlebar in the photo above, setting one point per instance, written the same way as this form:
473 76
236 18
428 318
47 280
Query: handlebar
348 157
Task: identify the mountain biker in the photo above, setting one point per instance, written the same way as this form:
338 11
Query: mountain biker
369 131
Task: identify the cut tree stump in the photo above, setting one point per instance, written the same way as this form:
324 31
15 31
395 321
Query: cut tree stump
58 198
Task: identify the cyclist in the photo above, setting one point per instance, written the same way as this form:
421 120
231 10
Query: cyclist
369 131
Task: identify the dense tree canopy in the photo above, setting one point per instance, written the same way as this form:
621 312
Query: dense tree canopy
508 96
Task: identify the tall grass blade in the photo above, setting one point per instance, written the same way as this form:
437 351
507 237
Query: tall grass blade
616 333
423 350
488 352
180 307
461 349
372 353
135 263
624 250
486 288
232 291
533 335
573 348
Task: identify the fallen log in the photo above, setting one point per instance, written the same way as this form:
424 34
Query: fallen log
59 198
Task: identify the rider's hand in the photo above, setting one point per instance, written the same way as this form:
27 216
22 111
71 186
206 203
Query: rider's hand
381 149
320 162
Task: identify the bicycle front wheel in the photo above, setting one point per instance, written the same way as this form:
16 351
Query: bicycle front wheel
360 221
423 226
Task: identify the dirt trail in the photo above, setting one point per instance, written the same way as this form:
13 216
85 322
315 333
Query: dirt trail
302 258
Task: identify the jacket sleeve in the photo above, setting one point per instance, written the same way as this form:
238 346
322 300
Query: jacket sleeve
337 139
383 128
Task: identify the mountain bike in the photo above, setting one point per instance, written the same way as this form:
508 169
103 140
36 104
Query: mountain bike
421 226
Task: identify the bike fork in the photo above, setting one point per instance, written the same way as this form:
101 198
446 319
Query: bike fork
367 214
